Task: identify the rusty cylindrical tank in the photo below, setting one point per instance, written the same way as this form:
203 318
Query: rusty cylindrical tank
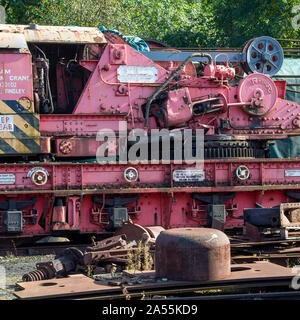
192 254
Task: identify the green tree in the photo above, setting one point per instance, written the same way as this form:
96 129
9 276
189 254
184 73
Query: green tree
242 20
20 11
87 13
193 23
177 22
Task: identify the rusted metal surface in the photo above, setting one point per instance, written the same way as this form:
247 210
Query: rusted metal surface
155 231
59 267
270 257
56 249
55 34
10 40
113 249
135 232
245 243
285 295
289 215
283 252
122 81
252 232
98 258
192 254
94 257
107 244
77 285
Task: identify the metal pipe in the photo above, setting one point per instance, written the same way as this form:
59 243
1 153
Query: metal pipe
172 76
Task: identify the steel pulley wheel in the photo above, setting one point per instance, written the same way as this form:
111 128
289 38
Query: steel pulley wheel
263 55
39 178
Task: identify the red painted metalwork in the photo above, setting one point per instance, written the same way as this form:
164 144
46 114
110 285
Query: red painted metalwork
162 201
80 84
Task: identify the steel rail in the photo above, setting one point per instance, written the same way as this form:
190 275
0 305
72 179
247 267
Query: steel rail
142 292
245 296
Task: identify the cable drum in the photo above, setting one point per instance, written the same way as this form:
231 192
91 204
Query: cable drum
259 93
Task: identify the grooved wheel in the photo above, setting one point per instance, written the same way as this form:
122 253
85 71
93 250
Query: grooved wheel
263 55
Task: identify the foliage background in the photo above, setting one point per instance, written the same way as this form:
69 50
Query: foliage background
180 23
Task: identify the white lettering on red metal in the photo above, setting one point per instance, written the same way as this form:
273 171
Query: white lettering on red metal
188 175
137 74
15 76
292 173
7 178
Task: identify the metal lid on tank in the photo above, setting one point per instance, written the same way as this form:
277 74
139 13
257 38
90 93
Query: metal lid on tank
206 236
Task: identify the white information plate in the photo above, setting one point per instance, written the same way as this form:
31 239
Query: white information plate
6 123
192 175
137 74
292 173
7 178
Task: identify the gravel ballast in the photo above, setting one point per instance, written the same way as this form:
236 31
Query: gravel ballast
12 269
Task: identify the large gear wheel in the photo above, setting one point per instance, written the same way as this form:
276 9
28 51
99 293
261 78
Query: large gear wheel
234 149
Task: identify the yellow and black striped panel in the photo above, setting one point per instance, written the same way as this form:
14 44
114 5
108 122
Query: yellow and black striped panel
19 129
23 105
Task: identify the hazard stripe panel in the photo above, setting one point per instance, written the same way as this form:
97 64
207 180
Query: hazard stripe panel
19 129
23 105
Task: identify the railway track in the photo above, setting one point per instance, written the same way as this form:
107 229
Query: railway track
241 249
282 295
252 278
269 260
